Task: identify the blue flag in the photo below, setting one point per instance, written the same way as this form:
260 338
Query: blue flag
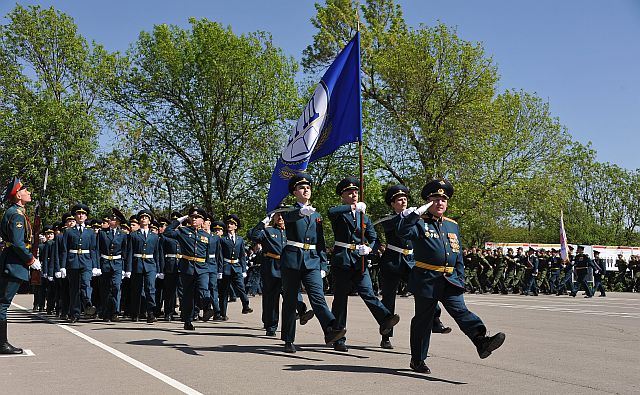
333 117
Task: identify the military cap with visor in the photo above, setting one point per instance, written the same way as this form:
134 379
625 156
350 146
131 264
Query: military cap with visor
395 191
299 179
438 187
347 184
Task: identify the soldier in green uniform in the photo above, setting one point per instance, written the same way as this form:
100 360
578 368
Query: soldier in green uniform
634 267
518 284
621 278
487 261
543 269
510 275
499 272
16 258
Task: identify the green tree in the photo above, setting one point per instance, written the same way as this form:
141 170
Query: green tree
49 113
208 108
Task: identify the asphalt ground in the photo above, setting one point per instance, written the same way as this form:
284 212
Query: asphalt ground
554 345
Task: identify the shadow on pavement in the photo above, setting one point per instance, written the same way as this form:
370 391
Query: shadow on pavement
369 370
277 351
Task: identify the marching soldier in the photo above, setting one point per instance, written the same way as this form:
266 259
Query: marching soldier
234 266
556 269
472 267
531 272
215 268
304 259
582 264
196 246
512 269
621 278
346 264
438 274
112 244
171 251
499 273
599 271
273 239
79 263
143 266
49 261
15 259
397 260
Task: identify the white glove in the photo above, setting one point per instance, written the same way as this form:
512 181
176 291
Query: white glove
423 209
267 219
160 276
36 265
63 272
363 249
50 278
123 274
307 211
361 207
407 211
181 219
96 272
219 276
244 274
323 274
58 275
127 274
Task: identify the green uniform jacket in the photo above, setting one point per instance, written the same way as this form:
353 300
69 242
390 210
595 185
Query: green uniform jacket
15 230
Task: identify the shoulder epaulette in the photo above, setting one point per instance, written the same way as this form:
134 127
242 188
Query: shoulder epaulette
449 219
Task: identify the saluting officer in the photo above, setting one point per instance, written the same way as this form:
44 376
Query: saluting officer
16 258
234 271
143 265
171 251
304 259
79 262
438 274
398 260
193 265
346 266
112 243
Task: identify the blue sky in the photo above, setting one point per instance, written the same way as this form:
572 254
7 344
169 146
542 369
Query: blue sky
582 56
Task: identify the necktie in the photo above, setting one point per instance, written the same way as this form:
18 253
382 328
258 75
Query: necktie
114 233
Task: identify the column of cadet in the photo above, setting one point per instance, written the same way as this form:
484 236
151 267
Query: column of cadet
543 271
189 267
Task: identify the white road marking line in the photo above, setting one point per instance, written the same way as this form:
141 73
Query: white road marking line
145 368
557 309
25 353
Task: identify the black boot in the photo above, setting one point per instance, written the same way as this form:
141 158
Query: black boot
438 327
5 347
486 345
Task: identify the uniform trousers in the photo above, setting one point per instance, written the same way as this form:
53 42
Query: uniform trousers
235 281
8 288
79 290
312 282
143 282
111 282
452 299
194 285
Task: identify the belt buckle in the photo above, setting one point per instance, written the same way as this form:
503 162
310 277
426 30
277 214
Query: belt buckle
405 251
305 246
